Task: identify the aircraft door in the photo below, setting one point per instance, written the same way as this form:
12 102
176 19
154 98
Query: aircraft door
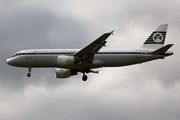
138 53
28 54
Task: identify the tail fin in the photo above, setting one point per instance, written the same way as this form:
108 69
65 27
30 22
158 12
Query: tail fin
157 38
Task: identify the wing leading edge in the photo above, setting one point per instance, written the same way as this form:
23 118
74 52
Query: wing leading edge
90 50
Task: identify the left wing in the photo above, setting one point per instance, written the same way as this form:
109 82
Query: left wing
90 50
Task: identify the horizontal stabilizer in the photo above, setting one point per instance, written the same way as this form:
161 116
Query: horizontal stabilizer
162 50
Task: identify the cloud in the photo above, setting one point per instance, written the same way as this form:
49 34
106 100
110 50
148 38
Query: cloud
146 91
149 100
29 28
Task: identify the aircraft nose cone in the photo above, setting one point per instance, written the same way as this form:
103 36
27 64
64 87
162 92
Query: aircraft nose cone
8 61
13 61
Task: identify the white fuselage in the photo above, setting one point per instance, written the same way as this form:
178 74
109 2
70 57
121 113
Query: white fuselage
104 58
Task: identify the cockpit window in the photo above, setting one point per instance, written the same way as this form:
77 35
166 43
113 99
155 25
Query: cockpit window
16 54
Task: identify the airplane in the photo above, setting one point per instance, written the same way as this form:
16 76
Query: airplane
68 62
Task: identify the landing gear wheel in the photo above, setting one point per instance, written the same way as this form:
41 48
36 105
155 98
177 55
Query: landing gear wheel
87 70
29 74
84 78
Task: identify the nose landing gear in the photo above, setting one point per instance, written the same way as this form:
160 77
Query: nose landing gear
29 74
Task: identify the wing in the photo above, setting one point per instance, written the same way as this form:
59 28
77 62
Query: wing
89 51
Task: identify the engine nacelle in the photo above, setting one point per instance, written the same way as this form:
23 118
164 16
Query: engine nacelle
64 61
63 73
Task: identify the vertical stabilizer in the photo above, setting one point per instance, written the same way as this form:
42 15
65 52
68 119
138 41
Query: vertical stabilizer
157 38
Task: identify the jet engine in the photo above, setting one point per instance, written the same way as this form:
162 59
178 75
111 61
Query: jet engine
64 73
64 61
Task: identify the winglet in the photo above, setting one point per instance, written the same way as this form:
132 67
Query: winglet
112 32
162 50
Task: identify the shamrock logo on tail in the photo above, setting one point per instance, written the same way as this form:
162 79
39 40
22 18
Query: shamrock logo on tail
157 37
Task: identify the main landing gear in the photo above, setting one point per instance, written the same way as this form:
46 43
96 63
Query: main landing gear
86 70
84 77
29 74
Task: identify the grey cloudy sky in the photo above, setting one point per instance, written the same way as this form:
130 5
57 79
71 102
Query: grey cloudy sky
150 91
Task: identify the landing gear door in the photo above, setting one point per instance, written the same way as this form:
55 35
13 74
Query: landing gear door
28 54
138 53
